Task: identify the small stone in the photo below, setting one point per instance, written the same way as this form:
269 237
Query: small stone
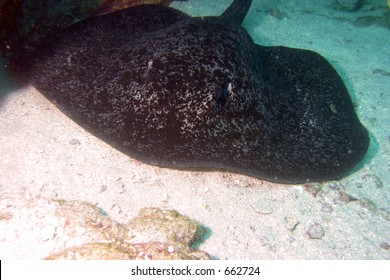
326 207
315 231
291 239
384 214
372 181
359 185
263 241
6 216
384 246
103 188
346 198
171 249
74 142
313 189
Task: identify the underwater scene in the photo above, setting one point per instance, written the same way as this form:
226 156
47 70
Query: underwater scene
195 130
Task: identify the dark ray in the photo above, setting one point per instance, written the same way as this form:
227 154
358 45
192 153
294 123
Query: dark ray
177 91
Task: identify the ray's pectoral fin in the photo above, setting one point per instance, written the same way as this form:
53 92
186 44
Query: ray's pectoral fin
319 136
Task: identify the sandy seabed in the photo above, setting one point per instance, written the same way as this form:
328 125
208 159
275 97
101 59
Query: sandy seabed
46 156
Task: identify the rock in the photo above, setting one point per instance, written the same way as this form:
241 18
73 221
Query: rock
153 234
384 246
372 181
87 222
346 198
312 188
326 207
74 142
36 228
154 224
315 231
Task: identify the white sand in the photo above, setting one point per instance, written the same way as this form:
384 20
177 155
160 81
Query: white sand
45 155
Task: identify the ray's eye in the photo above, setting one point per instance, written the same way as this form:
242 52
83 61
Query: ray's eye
222 95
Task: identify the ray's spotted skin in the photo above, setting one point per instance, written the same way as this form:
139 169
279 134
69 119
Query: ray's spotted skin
177 91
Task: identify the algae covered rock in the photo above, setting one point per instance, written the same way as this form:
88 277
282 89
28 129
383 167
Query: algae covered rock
88 222
153 234
154 224
36 228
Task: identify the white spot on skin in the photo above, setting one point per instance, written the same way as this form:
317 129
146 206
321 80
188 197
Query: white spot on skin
70 60
150 64
333 108
229 88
